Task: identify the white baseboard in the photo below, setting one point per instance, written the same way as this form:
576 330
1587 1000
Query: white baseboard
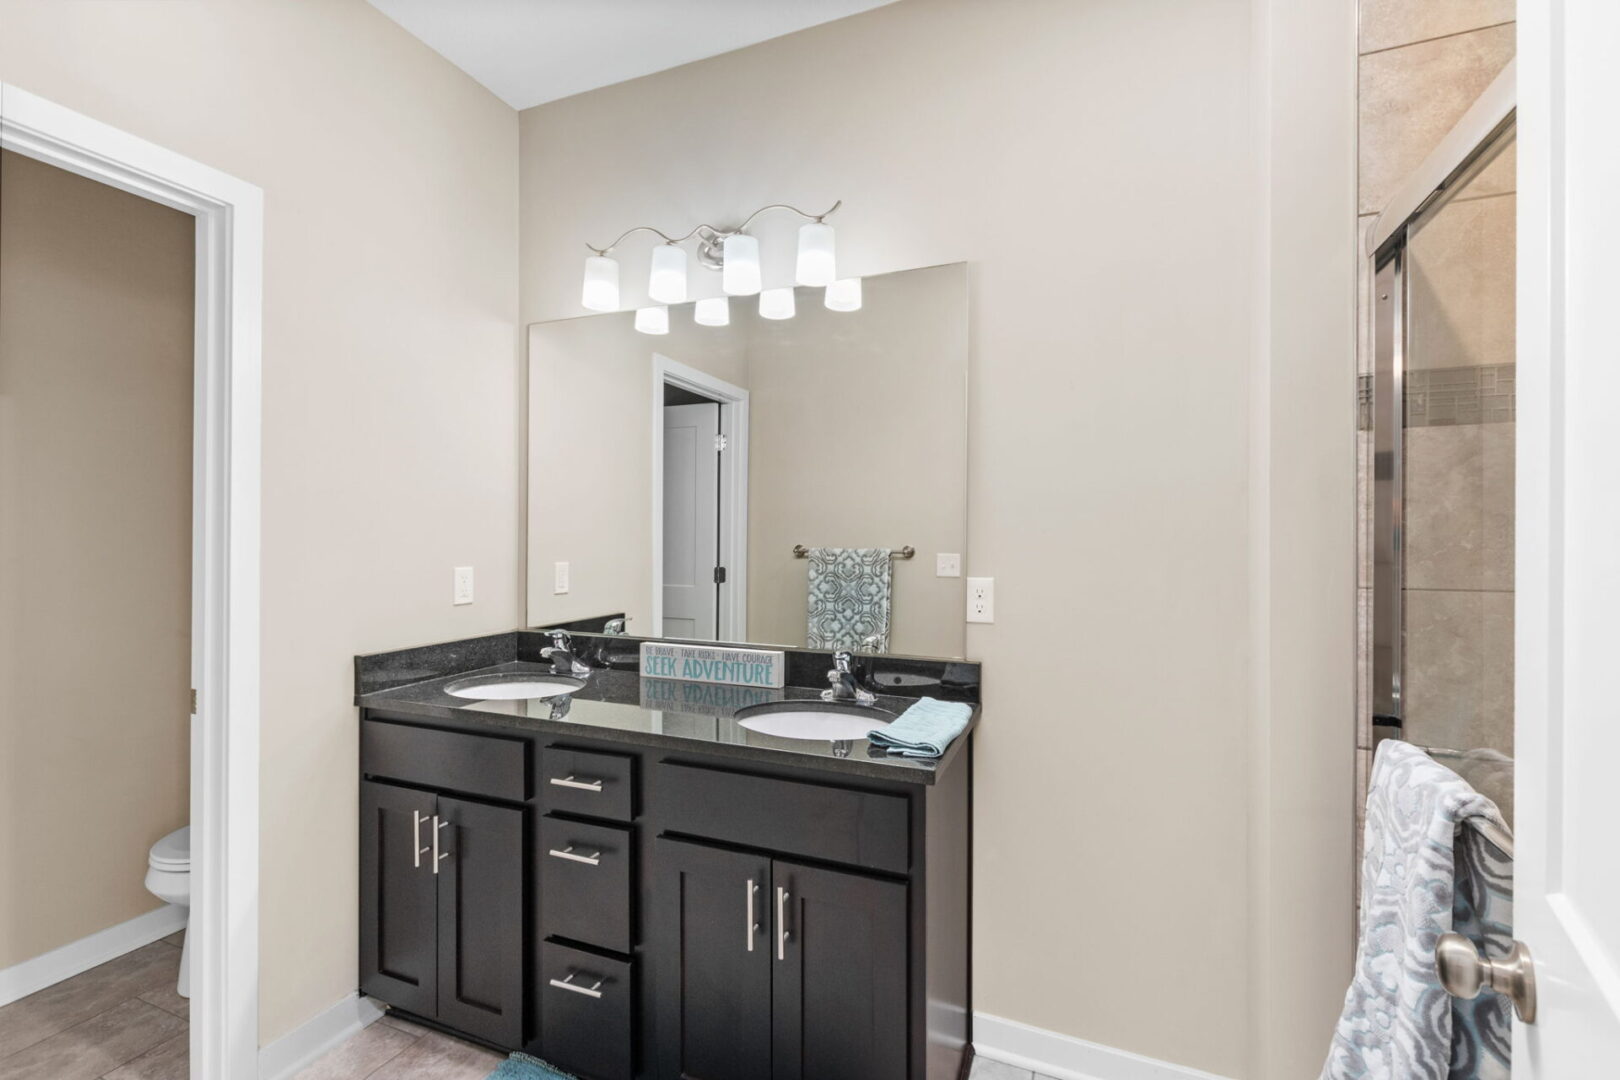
316 1036
1064 1057
79 956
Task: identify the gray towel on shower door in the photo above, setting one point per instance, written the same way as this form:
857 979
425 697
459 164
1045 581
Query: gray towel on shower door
849 599
1397 1022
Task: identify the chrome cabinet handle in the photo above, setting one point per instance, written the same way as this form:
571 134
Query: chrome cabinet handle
1464 973
438 858
578 785
567 983
417 850
781 923
753 925
593 859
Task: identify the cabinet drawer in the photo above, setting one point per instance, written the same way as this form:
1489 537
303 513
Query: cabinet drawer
586 1013
589 783
451 760
585 882
859 828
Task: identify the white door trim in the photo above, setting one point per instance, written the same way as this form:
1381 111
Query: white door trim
733 624
225 551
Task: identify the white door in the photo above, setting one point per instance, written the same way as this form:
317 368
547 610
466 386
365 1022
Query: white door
691 520
1567 863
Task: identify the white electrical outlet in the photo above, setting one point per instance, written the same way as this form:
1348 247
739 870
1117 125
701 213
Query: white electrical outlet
981 599
463 593
947 565
559 583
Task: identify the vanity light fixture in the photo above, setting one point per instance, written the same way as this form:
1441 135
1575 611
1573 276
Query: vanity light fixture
732 251
712 311
776 303
601 291
667 283
844 295
653 320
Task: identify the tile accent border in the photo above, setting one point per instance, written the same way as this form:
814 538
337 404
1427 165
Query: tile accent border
1064 1057
341 1021
1485 394
76 957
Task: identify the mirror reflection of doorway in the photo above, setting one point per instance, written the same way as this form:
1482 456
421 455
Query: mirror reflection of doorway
693 571
701 505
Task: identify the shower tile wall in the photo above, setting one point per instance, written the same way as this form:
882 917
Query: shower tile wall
1422 63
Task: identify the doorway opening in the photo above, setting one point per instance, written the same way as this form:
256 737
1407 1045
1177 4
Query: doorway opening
700 504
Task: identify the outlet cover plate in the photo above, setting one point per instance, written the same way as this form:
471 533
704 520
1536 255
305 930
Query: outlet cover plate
981 600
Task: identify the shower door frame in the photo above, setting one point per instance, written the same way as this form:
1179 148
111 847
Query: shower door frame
1460 156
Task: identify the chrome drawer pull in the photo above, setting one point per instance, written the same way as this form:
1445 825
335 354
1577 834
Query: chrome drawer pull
753 927
568 983
578 785
593 859
417 850
438 858
781 923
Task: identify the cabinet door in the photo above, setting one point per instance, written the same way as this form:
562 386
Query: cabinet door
712 962
480 861
398 925
839 988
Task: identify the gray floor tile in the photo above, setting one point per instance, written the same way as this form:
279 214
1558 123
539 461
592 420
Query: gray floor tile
985 1069
177 939
57 1008
165 1061
399 1023
438 1057
361 1056
94 1047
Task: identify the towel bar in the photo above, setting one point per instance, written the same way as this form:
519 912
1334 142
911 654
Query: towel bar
1494 834
907 552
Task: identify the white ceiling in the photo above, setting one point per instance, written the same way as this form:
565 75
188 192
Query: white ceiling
533 51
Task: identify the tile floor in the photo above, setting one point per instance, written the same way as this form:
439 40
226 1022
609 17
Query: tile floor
123 1021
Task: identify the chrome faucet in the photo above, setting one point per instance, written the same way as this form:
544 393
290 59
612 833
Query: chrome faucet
844 686
561 655
615 626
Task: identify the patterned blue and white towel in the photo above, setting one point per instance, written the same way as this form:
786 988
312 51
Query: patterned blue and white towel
849 599
1397 1022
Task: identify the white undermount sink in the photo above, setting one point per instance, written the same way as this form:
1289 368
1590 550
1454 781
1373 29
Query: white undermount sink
825 721
513 687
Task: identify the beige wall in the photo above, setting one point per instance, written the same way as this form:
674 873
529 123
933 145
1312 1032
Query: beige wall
1097 163
391 446
95 549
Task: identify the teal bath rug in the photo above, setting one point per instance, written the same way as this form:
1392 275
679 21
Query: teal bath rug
524 1067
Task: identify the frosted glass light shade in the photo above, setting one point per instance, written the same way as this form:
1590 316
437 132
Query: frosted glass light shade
817 265
844 295
667 284
653 320
739 273
776 304
712 311
601 292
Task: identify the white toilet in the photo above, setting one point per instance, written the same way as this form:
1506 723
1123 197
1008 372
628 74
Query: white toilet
168 878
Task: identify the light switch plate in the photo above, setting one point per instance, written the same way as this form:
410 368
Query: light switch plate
947 565
981 599
559 583
463 592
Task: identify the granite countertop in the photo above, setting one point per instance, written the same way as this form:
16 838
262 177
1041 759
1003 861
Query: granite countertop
622 706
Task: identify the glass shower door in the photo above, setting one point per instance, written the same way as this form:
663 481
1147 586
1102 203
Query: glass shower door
1443 509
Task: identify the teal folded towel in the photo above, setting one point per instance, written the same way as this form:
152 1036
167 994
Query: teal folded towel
925 729
524 1067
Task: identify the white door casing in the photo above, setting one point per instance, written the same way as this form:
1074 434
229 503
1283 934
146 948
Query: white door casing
224 935
1567 637
691 520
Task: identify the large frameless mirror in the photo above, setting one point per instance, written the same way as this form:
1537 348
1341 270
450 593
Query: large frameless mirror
797 480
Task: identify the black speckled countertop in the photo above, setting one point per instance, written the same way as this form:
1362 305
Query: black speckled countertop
618 705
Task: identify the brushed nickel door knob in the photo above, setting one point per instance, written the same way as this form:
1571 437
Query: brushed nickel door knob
1464 973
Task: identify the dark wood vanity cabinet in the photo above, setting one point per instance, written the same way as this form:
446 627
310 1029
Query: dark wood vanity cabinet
627 913
772 968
